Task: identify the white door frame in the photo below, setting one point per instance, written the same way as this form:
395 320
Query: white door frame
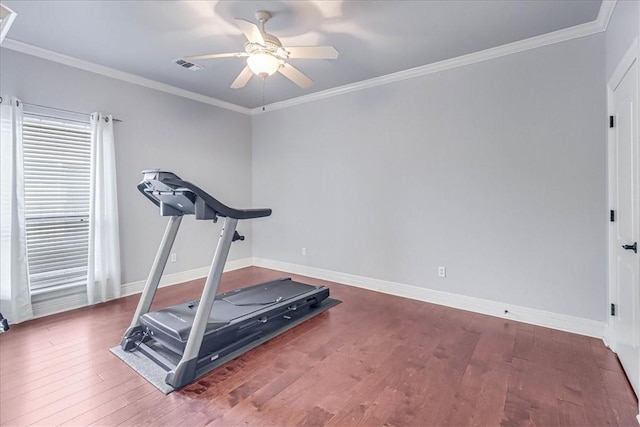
632 55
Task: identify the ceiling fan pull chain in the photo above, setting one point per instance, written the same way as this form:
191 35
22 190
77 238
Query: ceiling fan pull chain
263 80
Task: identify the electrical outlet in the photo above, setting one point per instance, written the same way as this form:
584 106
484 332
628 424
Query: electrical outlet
442 271
304 251
174 257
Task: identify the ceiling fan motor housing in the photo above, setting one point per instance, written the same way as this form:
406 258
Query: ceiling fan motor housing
272 45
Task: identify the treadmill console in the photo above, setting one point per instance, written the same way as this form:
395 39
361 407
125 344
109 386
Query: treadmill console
176 197
164 190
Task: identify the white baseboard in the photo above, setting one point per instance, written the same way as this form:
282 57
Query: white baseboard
71 302
532 316
562 322
183 276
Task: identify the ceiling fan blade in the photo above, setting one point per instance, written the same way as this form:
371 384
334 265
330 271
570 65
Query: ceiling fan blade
242 78
250 31
216 55
295 75
313 52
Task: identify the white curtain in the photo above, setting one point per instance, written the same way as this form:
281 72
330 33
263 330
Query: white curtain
103 277
15 300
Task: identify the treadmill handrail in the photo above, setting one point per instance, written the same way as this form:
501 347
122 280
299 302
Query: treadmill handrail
222 209
178 186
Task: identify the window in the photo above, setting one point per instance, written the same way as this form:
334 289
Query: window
57 165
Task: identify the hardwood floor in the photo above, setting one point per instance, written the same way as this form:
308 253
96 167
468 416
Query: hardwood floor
375 359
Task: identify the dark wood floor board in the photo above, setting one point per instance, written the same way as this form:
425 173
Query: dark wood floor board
261 387
442 376
224 380
604 357
18 412
531 394
381 361
202 417
61 364
146 404
138 393
69 397
477 400
10 347
188 412
350 406
339 369
324 343
583 361
21 381
251 418
489 409
316 417
51 384
497 338
13 387
288 368
623 412
111 397
57 355
596 402
616 385
564 358
544 338
97 412
44 363
571 414
386 405
375 359
14 355
241 413
152 416
569 387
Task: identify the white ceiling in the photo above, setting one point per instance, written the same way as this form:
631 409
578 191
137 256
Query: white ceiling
373 38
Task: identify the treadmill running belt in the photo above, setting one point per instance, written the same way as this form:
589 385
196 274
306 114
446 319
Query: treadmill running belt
174 323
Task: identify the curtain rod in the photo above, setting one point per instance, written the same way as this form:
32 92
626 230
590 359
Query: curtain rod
60 109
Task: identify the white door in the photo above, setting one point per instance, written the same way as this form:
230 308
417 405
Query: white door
624 232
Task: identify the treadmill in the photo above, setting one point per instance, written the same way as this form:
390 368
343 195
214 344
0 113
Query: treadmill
193 338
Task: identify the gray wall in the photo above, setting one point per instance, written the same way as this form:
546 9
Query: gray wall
207 145
623 28
495 170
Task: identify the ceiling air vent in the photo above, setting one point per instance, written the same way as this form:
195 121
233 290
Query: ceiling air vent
188 65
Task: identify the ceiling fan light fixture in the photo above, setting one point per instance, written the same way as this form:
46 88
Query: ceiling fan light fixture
263 64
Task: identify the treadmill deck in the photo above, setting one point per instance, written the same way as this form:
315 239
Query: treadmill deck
236 315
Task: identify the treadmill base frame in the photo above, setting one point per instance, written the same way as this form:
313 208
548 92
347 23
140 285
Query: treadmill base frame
145 366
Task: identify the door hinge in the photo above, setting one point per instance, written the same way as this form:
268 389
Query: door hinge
611 121
613 309
612 215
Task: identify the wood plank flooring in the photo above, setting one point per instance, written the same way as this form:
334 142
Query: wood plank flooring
373 360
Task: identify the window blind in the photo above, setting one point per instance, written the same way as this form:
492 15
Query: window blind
57 164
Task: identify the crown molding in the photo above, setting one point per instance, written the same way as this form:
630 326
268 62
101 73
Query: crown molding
117 74
566 34
604 15
582 30
7 16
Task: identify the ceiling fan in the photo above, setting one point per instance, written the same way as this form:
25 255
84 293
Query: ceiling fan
266 55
